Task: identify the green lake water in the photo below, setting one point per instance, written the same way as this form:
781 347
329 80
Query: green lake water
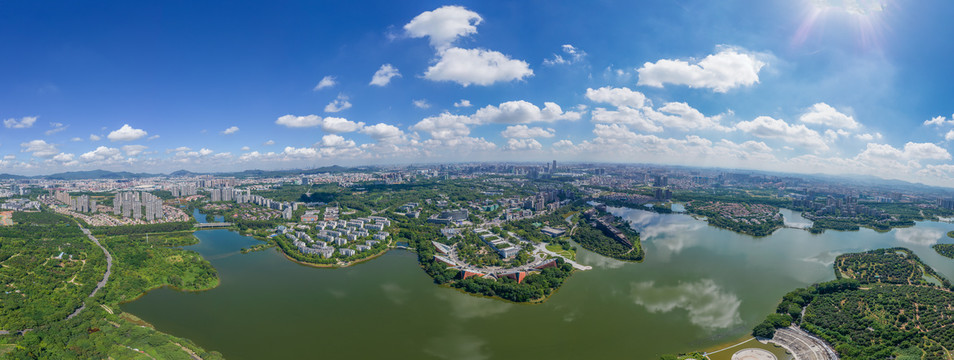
700 286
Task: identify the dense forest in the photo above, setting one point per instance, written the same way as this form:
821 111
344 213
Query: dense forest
47 268
879 308
51 288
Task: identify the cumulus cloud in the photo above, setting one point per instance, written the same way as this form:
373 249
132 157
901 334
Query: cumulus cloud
824 114
339 104
246 148
383 76
939 121
231 130
340 125
93 137
383 132
617 96
444 126
328 124
769 128
269 143
476 67
571 55
64 157
102 153
293 121
23 123
326 82
522 112
522 144
443 25
721 72
524 132
869 136
126 133
918 236
627 116
462 103
133 150
39 148
421 104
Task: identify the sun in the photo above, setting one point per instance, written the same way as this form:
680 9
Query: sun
867 17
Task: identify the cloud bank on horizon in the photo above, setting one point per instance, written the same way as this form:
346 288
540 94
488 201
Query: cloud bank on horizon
481 82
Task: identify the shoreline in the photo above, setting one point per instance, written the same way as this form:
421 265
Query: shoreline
332 266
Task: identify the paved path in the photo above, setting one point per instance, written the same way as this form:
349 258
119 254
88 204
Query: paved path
542 247
101 283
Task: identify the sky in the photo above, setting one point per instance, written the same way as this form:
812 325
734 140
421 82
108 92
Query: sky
854 87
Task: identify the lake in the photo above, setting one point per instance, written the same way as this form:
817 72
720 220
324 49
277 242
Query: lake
699 286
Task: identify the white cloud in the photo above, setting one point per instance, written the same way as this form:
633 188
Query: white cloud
340 125
824 114
93 137
684 117
938 121
133 150
421 104
102 153
339 104
524 132
231 130
443 25
326 82
769 128
64 157
269 143
522 112
617 96
869 136
444 126
462 103
573 55
293 121
76 139
25 122
154 137
246 148
336 141
39 148
384 132
477 67
949 136
383 76
626 116
126 133
205 151
522 144
57 127
725 70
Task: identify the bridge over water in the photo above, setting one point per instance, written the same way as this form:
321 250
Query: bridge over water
213 225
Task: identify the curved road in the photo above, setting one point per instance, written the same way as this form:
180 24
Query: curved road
101 283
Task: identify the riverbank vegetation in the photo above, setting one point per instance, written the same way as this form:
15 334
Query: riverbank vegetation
880 307
946 250
52 285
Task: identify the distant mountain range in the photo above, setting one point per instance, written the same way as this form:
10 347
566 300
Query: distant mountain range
105 174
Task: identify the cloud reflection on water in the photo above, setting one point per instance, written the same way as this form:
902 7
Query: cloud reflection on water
918 236
707 304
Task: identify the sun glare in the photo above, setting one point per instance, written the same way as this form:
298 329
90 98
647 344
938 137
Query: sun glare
865 15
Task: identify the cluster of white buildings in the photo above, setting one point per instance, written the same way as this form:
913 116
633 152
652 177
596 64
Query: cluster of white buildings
338 235
501 246
245 196
132 204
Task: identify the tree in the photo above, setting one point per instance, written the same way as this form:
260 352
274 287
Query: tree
764 330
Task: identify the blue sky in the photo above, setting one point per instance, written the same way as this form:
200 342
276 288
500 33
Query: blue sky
813 86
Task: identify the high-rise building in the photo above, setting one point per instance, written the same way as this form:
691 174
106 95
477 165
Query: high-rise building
553 167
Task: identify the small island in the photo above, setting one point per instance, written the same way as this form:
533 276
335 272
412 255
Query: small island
750 219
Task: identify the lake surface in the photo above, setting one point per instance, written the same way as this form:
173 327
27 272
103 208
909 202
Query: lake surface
700 286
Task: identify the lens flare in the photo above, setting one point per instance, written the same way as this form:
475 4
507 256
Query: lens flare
867 17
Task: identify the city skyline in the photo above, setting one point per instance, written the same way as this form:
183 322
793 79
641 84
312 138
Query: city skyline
832 87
